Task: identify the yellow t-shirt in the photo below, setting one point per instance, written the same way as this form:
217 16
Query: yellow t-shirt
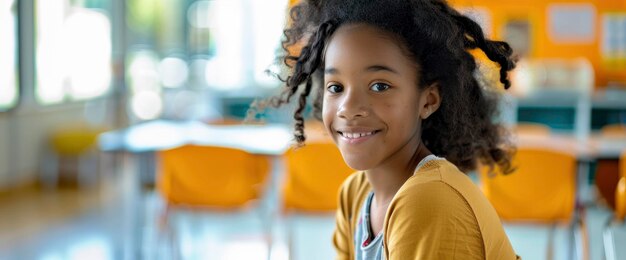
439 213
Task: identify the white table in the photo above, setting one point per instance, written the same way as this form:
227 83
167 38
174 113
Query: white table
159 135
589 149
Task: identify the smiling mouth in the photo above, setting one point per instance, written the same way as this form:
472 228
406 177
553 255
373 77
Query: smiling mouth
355 135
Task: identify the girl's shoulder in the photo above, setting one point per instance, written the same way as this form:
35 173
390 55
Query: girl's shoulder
440 193
438 187
437 184
442 171
353 192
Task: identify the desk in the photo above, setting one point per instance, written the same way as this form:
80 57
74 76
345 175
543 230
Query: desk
162 134
594 147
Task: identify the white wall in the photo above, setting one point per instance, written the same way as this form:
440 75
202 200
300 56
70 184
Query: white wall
4 149
24 136
24 131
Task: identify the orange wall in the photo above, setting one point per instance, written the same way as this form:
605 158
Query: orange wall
535 11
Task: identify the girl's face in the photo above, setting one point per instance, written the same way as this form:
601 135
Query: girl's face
372 104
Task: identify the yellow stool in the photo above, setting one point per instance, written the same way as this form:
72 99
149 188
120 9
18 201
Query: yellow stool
73 158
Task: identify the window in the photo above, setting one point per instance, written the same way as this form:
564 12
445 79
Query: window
73 50
156 60
8 52
268 20
206 47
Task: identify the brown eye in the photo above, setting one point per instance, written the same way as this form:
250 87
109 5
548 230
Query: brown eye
379 87
334 88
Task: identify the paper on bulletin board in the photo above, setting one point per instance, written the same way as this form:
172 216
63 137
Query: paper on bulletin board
613 48
570 23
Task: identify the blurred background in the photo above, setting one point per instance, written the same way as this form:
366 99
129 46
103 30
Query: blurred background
121 133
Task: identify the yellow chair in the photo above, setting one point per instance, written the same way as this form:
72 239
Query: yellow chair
541 189
607 175
315 173
215 178
72 158
619 212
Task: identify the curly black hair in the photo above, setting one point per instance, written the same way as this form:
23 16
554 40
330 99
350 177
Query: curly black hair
439 39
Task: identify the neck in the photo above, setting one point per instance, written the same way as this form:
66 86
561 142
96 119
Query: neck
387 179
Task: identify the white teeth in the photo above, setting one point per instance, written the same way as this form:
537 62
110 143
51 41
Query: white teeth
356 135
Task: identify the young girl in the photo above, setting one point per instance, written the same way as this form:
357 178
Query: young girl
398 93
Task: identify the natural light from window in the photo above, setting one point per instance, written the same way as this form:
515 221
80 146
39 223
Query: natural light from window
73 52
8 52
268 21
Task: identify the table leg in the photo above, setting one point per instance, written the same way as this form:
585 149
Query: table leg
144 166
271 203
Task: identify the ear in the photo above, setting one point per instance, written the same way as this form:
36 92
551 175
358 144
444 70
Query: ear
430 100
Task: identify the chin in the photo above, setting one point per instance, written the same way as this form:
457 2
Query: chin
357 163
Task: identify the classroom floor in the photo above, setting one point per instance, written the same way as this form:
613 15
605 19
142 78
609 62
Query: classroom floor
106 222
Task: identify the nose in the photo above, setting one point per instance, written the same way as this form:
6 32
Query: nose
353 105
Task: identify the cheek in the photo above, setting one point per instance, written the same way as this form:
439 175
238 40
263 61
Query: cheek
328 113
404 116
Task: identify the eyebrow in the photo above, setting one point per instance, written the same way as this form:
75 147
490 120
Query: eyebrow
372 68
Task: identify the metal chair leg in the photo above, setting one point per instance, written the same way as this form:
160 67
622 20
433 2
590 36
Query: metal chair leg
266 216
582 243
167 232
291 236
550 250
607 239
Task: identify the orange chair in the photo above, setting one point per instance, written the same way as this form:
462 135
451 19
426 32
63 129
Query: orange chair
210 177
232 121
541 189
614 130
607 175
315 173
527 128
619 212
